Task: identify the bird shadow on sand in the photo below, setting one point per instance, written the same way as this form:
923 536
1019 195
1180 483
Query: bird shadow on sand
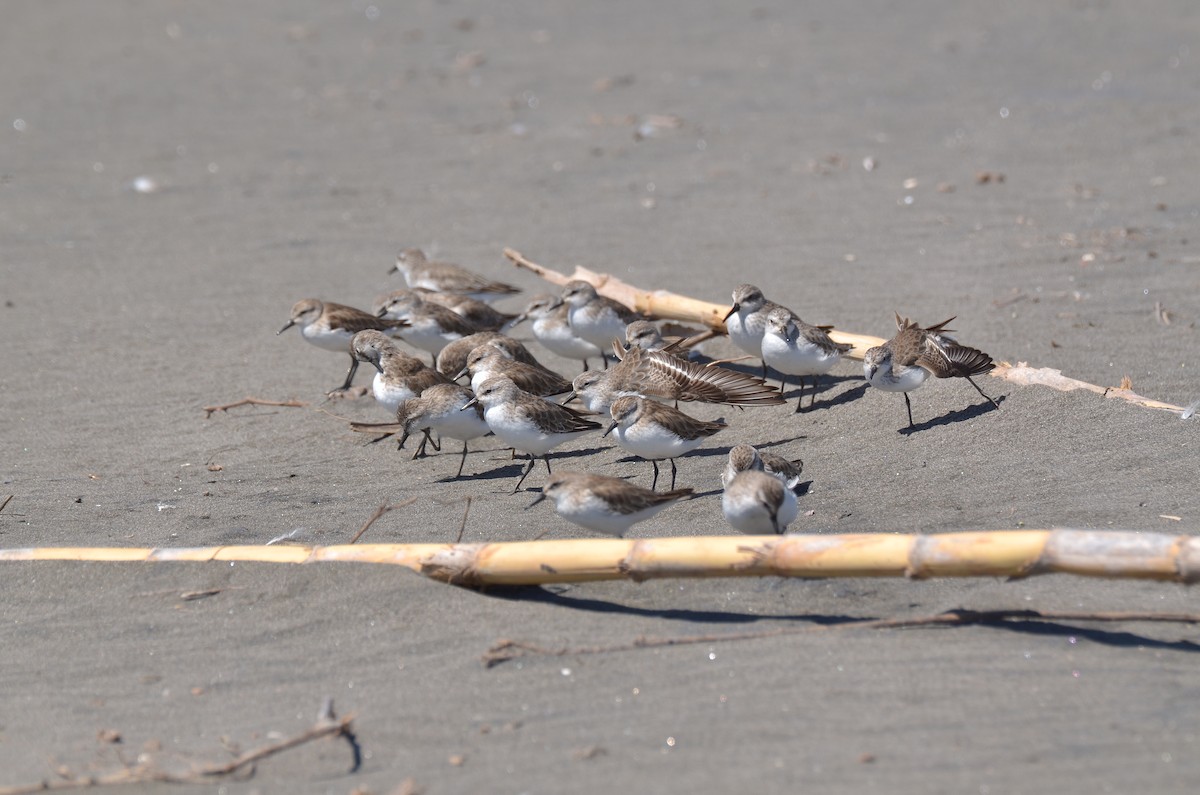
1119 639
960 415
538 594
1116 639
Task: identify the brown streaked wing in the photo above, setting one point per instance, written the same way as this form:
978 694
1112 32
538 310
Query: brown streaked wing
678 423
626 498
553 418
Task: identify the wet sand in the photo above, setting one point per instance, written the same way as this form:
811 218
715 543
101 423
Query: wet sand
1030 171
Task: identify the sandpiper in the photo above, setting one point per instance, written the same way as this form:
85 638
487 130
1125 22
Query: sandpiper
430 326
488 361
453 357
753 501
553 330
905 361
655 431
445 277
746 320
399 376
480 314
595 318
440 408
528 423
662 374
647 336
603 504
743 458
794 347
332 326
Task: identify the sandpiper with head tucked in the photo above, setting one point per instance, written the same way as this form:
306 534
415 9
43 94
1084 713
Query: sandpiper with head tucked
438 408
594 317
453 357
603 504
794 347
488 361
655 431
332 326
743 457
528 423
905 361
552 329
445 277
753 501
430 326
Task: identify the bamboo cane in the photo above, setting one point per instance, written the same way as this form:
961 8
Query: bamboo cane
1006 553
671 306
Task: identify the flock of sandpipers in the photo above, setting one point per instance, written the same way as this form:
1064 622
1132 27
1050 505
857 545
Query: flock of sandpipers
445 311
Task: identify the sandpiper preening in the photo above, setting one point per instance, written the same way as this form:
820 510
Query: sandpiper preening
603 504
746 321
596 318
744 457
528 423
552 329
440 409
332 327
445 277
905 361
794 347
654 431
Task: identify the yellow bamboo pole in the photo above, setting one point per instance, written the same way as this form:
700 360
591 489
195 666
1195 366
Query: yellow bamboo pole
1004 553
671 306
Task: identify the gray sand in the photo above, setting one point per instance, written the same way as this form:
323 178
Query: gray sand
296 150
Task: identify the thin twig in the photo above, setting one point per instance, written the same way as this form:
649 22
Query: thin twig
461 528
143 773
380 511
505 650
7 500
252 401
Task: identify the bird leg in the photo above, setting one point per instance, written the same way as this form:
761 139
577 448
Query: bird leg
672 460
980 391
908 403
654 464
525 474
462 461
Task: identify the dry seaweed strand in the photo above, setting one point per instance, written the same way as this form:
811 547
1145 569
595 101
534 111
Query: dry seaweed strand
668 305
1002 553
146 772
252 401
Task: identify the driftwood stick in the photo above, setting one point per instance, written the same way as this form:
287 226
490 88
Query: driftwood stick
143 773
505 650
664 304
252 401
1001 553
380 511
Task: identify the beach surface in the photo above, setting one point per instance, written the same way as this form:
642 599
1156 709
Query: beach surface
173 177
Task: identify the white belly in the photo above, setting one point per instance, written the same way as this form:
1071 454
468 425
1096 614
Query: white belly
463 425
561 341
654 442
803 358
428 336
329 339
390 394
741 335
906 380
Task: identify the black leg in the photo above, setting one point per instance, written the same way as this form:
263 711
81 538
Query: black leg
462 461
436 445
350 374
800 399
908 404
546 458
585 365
655 483
420 453
525 474
672 460
980 391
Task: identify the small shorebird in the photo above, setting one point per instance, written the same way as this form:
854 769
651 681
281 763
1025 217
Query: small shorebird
439 408
488 361
746 320
399 376
444 277
794 347
647 336
552 329
332 326
655 431
743 457
753 501
453 357
528 423
603 504
595 318
430 326
905 361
